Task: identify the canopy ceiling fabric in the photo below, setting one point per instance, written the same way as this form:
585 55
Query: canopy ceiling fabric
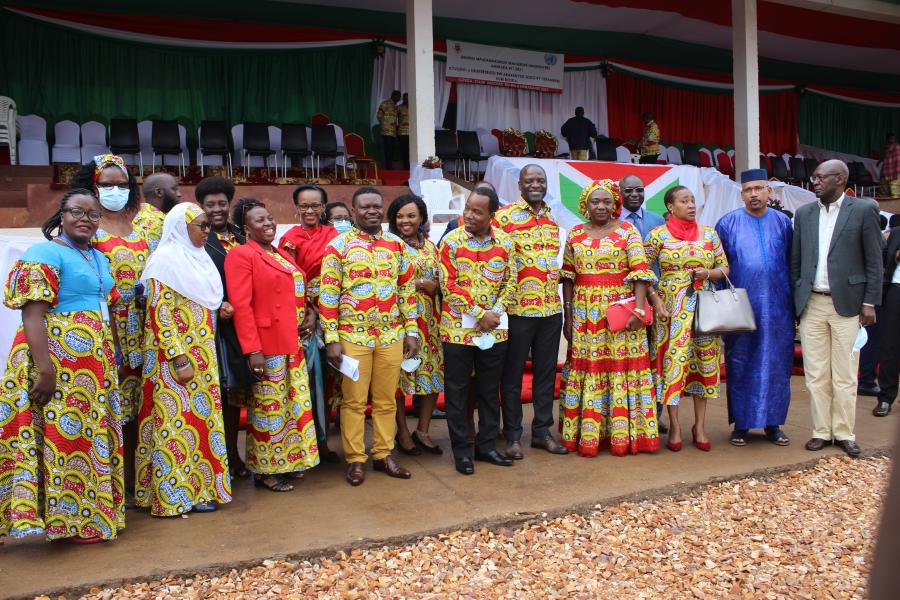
654 35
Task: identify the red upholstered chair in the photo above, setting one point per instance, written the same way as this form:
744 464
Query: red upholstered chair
513 143
355 148
706 159
724 164
545 144
850 192
319 119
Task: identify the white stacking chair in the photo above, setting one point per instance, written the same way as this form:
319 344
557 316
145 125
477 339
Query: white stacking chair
33 148
623 154
662 158
237 138
275 145
66 142
145 136
673 155
93 140
8 126
437 194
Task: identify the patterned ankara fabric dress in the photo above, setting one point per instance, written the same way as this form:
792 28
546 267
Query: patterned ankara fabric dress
61 467
149 221
281 435
127 257
684 363
429 377
181 458
607 398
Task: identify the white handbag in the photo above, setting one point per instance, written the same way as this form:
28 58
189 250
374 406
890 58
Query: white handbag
720 312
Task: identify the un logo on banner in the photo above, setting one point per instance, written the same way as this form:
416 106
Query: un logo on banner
550 59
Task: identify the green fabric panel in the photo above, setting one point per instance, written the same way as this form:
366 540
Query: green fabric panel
61 74
613 44
844 126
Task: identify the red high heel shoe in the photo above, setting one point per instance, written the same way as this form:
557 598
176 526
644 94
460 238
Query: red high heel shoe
673 446
705 446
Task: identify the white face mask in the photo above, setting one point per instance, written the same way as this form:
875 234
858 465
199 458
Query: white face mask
113 198
341 225
485 341
410 365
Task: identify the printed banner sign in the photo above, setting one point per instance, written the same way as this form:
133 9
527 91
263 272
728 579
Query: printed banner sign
506 67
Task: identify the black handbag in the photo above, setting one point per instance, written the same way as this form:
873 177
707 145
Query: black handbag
234 374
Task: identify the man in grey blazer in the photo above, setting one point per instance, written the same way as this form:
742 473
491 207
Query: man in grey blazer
837 271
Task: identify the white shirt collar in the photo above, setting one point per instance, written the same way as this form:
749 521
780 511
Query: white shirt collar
837 203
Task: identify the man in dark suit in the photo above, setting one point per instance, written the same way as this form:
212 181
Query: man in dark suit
836 269
889 371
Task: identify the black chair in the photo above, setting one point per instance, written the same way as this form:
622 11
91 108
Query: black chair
797 174
165 140
294 145
215 140
446 146
470 148
606 149
811 165
691 153
779 169
256 143
323 143
124 139
860 178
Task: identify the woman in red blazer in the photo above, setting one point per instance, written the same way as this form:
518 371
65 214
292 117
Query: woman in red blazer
268 293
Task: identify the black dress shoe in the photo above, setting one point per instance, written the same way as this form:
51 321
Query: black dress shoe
494 457
661 427
815 444
867 391
882 409
850 447
464 465
549 444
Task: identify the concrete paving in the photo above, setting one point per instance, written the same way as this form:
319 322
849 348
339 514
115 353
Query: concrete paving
324 513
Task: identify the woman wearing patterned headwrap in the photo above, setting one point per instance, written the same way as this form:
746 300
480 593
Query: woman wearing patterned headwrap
60 427
685 364
607 398
126 249
182 462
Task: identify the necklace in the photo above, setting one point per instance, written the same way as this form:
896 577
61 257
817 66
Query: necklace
418 244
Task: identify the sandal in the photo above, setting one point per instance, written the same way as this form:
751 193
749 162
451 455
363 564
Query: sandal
293 475
430 448
239 471
777 436
738 437
273 483
206 507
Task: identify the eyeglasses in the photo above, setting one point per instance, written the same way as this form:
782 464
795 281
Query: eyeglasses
108 186
814 178
632 190
206 226
78 214
308 207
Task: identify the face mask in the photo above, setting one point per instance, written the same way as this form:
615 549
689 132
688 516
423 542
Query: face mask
862 336
411 364
485 341
113 199
341 225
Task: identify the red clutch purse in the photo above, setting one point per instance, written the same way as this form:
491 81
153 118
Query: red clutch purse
618 313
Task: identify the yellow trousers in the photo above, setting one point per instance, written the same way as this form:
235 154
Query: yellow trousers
379 370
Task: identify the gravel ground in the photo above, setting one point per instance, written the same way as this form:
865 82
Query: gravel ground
802 534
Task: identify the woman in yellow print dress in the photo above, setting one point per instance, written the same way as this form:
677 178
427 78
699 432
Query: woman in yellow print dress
60 425
688 255
407 218
182 461
607 398
127 250
268 292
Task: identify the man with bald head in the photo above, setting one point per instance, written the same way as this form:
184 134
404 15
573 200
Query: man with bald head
633 211
836 271
535 317
161 193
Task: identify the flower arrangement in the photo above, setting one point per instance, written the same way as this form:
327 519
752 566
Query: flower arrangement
432 162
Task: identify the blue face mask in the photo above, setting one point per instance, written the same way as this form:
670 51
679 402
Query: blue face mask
113 198
342 225
485 341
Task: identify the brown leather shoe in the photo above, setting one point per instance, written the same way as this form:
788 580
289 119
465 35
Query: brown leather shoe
389 465
514 450
356 473
549 444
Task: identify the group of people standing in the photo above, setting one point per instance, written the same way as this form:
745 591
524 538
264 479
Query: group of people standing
148 326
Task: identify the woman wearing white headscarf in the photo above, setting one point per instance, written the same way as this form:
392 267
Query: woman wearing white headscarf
181 458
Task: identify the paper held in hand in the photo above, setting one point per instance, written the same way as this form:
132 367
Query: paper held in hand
469 322
349 367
